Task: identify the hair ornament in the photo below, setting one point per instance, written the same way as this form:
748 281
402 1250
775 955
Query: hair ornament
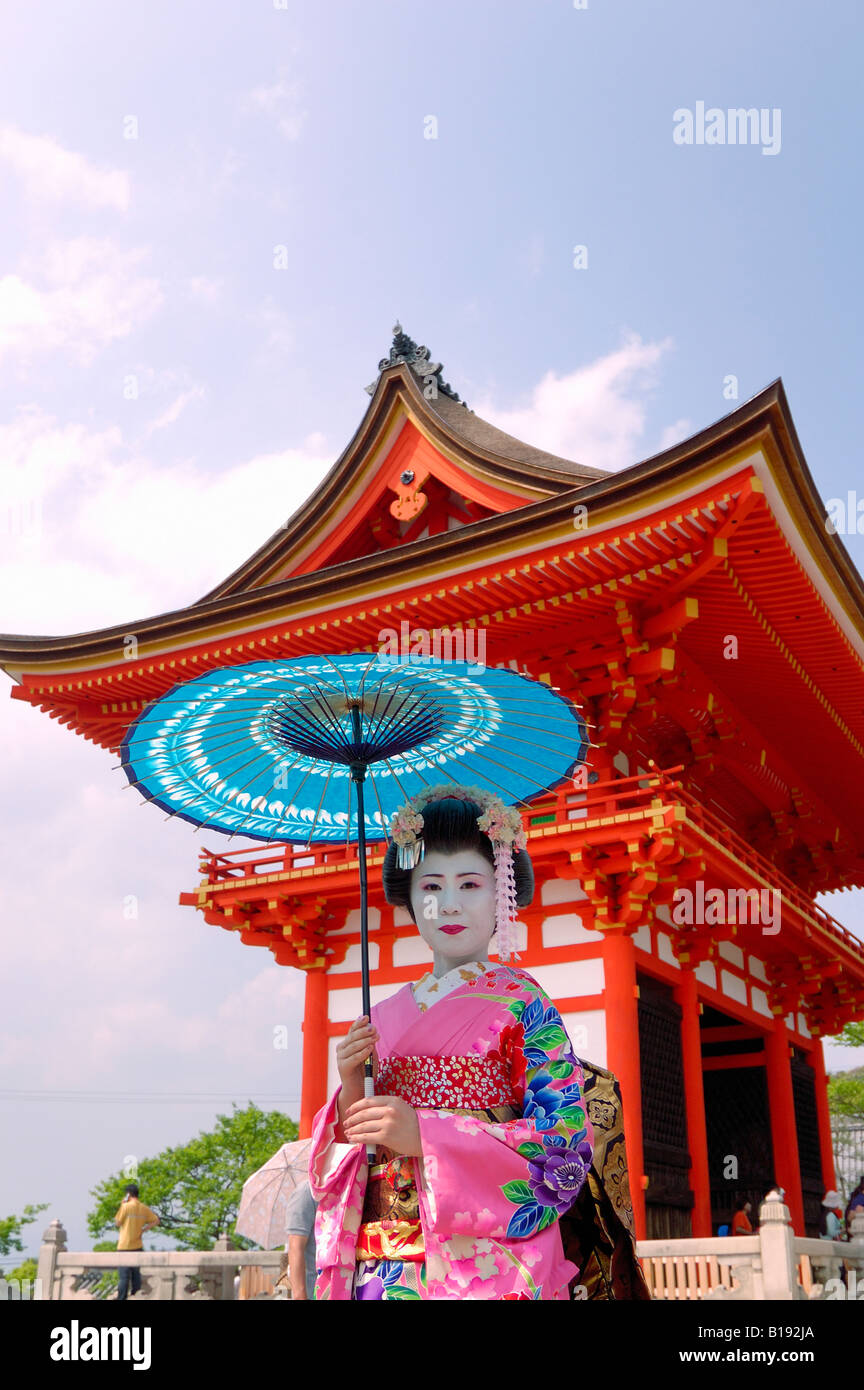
502 824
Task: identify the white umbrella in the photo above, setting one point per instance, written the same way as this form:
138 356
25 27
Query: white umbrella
266 1193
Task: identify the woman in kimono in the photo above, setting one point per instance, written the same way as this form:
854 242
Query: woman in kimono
478 1117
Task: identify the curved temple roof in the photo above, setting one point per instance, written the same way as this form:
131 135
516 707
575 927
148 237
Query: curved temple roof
531 493
626 586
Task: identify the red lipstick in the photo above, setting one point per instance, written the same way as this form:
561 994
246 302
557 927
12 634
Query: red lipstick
451 931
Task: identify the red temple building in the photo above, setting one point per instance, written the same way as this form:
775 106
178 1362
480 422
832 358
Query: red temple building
710 626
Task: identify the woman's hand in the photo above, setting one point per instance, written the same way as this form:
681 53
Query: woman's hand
385 1121
357 1044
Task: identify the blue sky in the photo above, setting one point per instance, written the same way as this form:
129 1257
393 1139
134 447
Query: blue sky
170 395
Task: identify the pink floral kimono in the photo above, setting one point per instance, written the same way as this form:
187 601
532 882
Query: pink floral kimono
482 1055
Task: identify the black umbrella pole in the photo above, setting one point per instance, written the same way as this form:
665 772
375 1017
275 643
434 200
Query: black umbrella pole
358 773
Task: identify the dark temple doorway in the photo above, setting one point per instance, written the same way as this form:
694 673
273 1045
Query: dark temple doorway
669 1198
809 1151
737 1118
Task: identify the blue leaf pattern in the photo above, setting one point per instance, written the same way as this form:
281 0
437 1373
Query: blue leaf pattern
557 1173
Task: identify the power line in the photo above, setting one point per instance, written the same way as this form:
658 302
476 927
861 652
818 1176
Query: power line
151 1097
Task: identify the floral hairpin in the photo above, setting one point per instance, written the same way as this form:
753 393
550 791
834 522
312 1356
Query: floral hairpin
500 822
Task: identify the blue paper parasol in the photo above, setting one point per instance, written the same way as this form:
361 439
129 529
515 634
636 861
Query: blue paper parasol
266 750
280 750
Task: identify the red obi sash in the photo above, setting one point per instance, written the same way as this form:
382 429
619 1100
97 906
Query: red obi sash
447 1083
391 1226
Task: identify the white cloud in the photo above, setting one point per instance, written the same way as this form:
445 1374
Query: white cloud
203 290
95 531
111 1001
278 326
535 256
237 1028
90 294
176 408
224 179
596 414
51 173
282 102
675 433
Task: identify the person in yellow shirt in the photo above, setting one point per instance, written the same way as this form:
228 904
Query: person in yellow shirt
133 1218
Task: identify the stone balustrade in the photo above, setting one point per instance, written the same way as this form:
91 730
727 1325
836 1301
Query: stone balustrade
772 1264
165 1274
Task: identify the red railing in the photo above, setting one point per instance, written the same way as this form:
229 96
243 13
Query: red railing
608 798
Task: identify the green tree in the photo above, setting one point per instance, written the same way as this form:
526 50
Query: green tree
195 1188
11 1226
846 1107
26 1270
846 1093
852 1035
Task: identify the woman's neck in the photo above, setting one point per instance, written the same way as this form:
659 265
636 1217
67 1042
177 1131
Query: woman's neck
443 965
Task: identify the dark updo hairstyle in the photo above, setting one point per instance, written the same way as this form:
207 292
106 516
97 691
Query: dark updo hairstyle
451 825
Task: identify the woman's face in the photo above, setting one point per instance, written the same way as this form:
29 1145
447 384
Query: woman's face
453 897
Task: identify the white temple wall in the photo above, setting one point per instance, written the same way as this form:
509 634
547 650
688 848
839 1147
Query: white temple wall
561 890
570 979
351 963
347 1004
567 930
351 925
587 1032
411 950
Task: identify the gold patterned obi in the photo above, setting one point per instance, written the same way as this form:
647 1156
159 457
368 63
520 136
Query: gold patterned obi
391 1228
480 1086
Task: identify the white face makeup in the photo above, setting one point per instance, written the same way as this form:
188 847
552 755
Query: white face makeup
453 897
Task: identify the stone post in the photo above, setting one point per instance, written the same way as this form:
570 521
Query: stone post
53 1241
226 1286
855 1246
776 1242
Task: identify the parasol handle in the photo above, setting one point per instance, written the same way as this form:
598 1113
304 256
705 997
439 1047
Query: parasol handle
358 775
369 1090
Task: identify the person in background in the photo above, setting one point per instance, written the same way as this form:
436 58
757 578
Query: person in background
831 1225
134 1219
856 1202
741 1220
300 1231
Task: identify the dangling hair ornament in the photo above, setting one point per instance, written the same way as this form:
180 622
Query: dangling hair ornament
501 823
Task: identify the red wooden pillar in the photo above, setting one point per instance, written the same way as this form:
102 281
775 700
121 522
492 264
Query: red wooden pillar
694 1100
314 1083
622 1055
784 1136
826 1148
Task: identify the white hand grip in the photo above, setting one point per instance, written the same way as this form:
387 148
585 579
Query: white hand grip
369 1090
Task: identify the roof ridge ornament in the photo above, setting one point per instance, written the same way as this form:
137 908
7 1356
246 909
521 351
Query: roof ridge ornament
404 349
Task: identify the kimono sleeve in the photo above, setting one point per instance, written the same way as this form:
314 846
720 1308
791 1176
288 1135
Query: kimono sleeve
516 1178
331 1163
337 1179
